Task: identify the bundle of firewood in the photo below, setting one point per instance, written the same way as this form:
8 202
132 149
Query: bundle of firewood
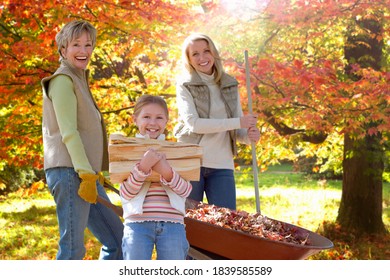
125 152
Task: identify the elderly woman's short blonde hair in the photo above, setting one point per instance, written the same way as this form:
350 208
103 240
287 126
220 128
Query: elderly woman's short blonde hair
218 68
73 30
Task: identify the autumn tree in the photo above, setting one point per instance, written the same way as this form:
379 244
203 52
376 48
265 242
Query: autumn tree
319 78
359 96
364 156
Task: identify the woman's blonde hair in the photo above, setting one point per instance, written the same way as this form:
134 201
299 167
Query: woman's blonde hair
217 67
73 30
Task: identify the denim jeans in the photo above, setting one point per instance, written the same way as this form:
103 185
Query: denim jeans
219 186
75 215
169 238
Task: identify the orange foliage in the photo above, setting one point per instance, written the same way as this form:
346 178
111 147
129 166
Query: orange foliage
134 39
297 74
309 92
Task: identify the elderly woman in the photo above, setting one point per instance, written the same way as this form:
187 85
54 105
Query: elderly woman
75 149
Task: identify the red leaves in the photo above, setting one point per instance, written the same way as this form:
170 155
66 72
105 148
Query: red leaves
316 97
298 63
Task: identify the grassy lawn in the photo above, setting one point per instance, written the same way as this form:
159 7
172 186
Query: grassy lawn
290 197
30 232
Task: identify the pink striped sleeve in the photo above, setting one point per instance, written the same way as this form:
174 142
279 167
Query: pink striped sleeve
180 186
132 185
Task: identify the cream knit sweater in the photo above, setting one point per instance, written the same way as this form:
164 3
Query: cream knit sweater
217 150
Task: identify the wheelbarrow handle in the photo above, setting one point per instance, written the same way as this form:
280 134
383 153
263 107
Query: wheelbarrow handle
117 209
110 186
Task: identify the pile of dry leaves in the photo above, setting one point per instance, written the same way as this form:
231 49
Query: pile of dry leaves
255 224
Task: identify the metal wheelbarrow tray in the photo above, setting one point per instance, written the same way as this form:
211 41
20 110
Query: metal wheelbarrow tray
238 245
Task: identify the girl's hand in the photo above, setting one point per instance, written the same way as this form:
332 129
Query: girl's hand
150 158
248 121
163 168
254 134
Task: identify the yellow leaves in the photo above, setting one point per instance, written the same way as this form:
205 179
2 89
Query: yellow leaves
37 186
26 13
33 62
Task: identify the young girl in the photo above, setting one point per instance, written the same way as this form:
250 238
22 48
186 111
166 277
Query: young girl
153 211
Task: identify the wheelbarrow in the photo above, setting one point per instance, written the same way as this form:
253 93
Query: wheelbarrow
210 241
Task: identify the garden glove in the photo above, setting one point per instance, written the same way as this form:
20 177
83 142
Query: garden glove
102 179
87 189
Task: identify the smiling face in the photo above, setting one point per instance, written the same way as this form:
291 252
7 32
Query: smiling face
151 120
78 51
200 56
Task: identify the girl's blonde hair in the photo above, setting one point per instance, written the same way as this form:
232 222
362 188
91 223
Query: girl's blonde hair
217 67
73 30
147 99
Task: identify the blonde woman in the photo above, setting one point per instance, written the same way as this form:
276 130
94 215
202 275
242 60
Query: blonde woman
210 114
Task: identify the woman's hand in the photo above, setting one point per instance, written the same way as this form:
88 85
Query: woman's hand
248 121
254 134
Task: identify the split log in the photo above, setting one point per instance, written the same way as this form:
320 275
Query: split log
125 152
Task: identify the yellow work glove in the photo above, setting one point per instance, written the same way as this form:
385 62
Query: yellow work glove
101 178
87 189
104 181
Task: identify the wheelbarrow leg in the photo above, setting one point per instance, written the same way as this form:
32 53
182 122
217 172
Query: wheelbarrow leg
197 255
200 254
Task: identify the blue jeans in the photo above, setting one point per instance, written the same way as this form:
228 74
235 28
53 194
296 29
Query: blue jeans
219 186
75 215
169 238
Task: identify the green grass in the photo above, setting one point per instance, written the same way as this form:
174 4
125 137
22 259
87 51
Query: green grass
29 228
290 197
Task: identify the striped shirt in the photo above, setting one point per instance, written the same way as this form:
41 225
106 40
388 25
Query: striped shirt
156 206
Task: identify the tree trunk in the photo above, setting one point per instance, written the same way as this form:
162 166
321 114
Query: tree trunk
363 163
361 202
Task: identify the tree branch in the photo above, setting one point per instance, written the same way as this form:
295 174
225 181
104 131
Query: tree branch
282 129
117 111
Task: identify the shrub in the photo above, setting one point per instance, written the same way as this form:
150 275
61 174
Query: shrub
14 177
